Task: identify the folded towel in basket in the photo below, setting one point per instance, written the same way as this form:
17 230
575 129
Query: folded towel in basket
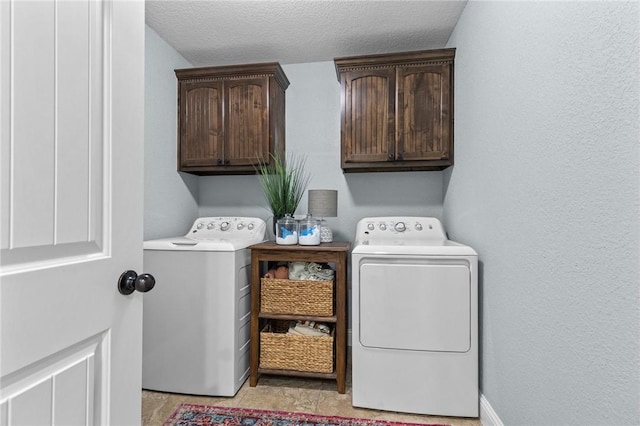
310 271
309 328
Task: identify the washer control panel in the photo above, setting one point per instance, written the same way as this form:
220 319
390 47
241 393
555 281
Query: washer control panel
381 229
228 228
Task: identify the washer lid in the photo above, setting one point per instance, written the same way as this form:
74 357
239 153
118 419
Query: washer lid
190 244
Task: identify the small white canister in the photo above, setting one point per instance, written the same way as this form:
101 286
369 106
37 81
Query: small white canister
309 232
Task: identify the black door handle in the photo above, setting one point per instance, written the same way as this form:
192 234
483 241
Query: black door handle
130 281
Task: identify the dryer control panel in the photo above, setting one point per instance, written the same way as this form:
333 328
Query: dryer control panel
372 230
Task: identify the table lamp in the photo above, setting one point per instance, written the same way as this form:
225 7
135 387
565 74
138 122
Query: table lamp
323 203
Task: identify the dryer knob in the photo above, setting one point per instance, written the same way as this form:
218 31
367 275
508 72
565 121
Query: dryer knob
210 225
250 226
200 225
370 227
224 226
400 227
240 226
383 226
418 226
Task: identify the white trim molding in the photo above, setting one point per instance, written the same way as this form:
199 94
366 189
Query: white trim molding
488 417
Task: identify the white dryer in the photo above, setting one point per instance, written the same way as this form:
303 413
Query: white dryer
196 326
414 318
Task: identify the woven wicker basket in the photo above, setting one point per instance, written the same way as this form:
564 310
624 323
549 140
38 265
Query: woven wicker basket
285 351
296 297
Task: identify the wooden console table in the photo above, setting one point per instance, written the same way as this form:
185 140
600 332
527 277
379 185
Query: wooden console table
335 252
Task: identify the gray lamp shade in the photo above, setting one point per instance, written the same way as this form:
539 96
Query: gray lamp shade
323 203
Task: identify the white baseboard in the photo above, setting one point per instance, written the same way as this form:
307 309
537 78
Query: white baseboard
488 417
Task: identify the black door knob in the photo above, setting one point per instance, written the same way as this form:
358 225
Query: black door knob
130 281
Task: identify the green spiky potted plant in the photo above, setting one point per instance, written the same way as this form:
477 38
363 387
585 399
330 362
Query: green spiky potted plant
283 182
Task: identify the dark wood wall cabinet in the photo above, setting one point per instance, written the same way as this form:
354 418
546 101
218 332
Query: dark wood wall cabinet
397 111
230 117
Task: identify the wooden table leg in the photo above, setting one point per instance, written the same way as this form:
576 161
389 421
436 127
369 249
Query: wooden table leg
254 346
341 327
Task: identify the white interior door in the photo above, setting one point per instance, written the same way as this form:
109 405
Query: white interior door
72 114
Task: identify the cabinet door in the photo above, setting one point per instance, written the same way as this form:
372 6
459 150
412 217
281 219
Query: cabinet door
424 112
247 121
368 116
201 124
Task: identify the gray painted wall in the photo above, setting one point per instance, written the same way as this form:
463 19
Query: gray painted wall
313 130
545 187
170 198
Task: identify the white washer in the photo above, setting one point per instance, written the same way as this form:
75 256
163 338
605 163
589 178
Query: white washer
414 318
197 323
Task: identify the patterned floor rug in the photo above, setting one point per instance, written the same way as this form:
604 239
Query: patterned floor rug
204 415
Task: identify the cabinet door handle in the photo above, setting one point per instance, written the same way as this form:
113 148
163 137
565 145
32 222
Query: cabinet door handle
219 162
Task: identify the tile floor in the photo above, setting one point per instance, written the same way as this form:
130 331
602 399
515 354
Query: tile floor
285 394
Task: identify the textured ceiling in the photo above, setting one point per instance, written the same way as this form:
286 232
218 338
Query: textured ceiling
221 32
